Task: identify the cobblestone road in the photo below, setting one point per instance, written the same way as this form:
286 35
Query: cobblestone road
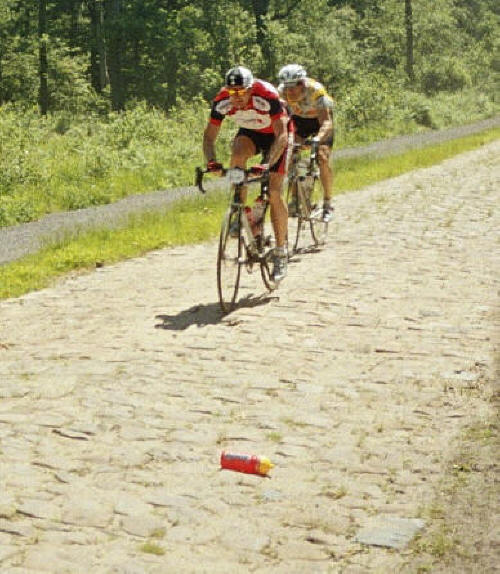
120 388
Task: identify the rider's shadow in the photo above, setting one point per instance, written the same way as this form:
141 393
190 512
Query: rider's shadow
210 314
200 315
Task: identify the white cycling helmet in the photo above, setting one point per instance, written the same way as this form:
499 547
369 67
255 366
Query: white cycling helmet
291 75
239 76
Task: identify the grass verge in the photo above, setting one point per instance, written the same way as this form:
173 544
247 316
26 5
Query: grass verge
360 172
460 533
195 220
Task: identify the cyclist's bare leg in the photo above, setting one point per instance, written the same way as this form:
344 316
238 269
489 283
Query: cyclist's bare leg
242 150
325 171
298 140
279 212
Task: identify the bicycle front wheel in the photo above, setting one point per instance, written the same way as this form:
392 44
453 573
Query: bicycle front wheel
229 260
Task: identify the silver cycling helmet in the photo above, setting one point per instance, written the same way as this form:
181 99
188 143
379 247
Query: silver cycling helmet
291 75
239 76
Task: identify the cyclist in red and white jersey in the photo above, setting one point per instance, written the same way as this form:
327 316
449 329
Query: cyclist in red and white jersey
264 127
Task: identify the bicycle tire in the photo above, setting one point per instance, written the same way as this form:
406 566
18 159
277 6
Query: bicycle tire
318 226
291 197
303 210
229 262
267 252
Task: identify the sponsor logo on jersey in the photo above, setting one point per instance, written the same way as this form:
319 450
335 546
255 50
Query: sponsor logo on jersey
223 107
261 104
251 119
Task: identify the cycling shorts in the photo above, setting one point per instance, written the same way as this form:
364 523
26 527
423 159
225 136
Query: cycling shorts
263 143
306 127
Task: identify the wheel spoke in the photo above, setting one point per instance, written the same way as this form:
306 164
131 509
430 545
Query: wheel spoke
319 227
229 264
303 209
266 248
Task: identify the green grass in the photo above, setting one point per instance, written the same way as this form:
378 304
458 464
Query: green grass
459 514
152 548
95 160
195 220
356 173
143 233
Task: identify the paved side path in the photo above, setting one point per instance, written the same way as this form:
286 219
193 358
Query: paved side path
20 240
120 388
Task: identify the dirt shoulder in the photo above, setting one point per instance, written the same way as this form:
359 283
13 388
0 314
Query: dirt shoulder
368 378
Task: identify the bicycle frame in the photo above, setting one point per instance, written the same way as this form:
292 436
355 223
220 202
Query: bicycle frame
241 244
249 177
312 166
304 190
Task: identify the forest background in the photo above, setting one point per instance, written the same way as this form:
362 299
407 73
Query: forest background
100 99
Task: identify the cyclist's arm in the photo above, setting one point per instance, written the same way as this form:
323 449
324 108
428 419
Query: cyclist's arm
326 124
280 139
209 136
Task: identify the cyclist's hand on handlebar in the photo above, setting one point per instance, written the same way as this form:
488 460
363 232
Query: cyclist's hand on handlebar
260 168
214 166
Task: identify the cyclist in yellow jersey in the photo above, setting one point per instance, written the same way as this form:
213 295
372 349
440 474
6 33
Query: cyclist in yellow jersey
312 113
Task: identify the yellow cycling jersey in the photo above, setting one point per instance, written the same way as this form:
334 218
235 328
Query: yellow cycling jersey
315 98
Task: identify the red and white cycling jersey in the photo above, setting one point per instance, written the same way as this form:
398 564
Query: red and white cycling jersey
263 107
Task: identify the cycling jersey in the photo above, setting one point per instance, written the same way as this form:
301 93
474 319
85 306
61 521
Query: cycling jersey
263 107
315 98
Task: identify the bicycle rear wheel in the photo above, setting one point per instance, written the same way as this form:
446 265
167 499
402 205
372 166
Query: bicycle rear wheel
314 198
291 199
303 185
229 261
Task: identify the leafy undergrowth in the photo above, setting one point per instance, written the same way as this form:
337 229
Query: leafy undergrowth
194 220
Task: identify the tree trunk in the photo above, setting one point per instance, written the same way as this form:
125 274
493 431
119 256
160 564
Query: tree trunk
115 47
2 93
409 40
173 66
43 93
94 61
75 17
100 45
98 72
260 10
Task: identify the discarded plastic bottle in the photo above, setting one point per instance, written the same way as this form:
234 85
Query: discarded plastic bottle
247 463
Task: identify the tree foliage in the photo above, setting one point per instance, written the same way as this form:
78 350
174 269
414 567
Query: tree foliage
103 54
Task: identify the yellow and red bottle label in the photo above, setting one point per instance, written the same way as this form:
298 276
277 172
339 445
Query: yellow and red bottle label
247 463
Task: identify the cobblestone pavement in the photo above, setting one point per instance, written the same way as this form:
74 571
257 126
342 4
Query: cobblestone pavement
20 240
120 388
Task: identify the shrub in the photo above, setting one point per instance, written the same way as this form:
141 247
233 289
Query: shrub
446 74
418 108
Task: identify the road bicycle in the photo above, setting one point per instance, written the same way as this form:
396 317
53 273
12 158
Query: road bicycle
305 194
244 241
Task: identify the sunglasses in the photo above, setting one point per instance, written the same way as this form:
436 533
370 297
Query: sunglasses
236 91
